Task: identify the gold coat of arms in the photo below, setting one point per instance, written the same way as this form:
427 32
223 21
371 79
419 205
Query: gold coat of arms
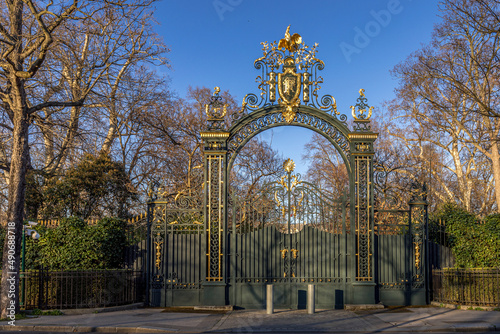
289 83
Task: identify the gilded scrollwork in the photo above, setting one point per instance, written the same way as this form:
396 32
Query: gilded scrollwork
362 112
323 126
417 255
362 221
418 214
359 110
289 182
158 254
215 217
290 68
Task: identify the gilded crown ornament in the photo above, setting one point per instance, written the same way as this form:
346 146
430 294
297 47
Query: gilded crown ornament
361 112
216 111
290 79
361 105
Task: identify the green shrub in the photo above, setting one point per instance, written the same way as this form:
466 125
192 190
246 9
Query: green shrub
474 244
51 312
76 245
109 234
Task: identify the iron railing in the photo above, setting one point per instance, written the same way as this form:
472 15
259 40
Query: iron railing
474 287
57 289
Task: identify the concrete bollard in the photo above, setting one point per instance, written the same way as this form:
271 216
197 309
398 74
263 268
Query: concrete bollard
310 299
270 299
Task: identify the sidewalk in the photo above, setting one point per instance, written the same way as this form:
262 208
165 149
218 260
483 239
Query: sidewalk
155 320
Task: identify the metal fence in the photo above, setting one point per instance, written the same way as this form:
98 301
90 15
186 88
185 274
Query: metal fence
134 255
440 256
47 289
474 287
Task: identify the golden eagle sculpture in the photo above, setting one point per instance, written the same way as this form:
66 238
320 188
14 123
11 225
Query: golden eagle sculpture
290 42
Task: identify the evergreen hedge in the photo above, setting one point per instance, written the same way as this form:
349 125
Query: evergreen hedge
475 242
76 245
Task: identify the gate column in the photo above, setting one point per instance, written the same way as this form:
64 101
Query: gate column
215 202
418 233
362 239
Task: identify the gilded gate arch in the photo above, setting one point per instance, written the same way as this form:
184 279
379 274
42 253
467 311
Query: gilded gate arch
193 259
289 86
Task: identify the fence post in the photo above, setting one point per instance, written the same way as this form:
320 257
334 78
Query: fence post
310 299
40 287
147 274
270 299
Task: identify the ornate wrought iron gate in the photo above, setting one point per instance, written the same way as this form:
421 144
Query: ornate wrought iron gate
176 245
400 237
291 234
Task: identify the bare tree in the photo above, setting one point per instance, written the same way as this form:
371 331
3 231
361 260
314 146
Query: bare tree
31 47
481 15
95 56
175 125
448 96
256 164
327 169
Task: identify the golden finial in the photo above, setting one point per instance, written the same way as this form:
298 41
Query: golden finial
362 106
290 42
289 165
216 110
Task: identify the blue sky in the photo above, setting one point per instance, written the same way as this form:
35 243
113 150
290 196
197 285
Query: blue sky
215 42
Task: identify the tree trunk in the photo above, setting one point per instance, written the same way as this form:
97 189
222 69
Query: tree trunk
495 168
111 135
18 167
17 185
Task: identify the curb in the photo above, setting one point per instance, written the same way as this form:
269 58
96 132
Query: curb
466 307
85 329
78 311
359 307
81 311
214 308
